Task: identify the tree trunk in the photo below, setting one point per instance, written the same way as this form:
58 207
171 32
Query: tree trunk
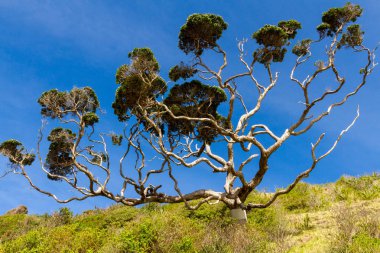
239 215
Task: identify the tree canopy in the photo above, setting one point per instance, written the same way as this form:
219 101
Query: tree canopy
200 32
202 110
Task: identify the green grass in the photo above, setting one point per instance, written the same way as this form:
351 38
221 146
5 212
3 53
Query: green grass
338 217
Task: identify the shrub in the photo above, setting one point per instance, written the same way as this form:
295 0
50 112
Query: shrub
364 243
140 238
361 188
298 198
185 245
32 242
357 231
65 215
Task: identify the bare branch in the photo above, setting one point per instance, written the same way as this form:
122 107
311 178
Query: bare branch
309 170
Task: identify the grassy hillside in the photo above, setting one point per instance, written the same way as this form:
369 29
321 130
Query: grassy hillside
339 217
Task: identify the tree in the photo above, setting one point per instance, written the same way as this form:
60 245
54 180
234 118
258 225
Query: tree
181 124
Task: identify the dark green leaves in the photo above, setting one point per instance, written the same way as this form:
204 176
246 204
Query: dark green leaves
59 160
90 119
266 55
181 71
57 104
53 103
194 100
271 36
353 37
335 18
116 139
15 151
201 31
302 47
139 84
324 30
143 61
273 39
290 27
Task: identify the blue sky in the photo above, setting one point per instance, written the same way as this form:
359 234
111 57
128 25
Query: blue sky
61 44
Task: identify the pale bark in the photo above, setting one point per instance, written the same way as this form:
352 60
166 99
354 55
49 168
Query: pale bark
190 153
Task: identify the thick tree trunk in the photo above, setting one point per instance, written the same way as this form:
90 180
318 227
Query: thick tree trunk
239 215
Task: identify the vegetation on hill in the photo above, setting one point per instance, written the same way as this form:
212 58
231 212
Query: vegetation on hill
338 217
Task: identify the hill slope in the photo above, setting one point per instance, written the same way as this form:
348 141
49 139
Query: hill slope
339 217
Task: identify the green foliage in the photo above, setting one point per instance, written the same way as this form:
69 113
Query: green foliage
323 30
143 61
210 213
266 218
152 207
98 158
362 188
65 215
297 199
195 100
116 217
12 226
59 160
139 84
335 19
353 37
358 230
90 119
60 239
15 152
11 146
290 27
200 32
172 228
116 139
32 242
185 245
57 104
305 225
364 243
265 55
181 71
302 47
273 39
271 36
140 239
306 197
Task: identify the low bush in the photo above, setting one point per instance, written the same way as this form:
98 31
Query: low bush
358 230
358 188
141 238
294 220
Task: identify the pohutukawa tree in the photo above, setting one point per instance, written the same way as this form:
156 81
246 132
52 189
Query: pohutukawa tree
173 125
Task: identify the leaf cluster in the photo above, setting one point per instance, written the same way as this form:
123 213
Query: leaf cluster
139 84
194 100
116 139
90 119
59 160
273 40
302 47
353 37
181 71
57 104
200 32
98 158
334 19
16 153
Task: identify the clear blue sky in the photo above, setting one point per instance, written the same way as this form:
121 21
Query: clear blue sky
61 44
